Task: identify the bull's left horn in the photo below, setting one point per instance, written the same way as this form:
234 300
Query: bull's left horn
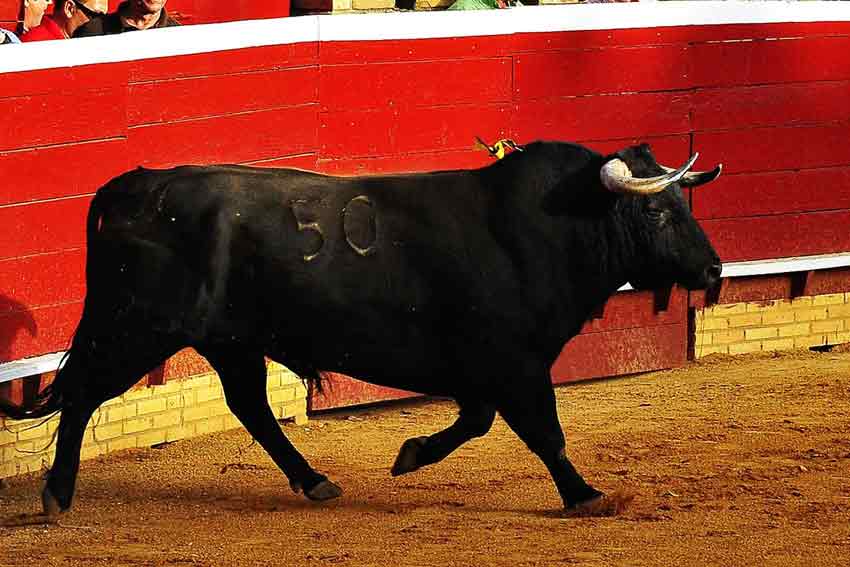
617 177
697 178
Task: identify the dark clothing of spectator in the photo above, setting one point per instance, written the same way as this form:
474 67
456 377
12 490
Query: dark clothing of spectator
113 23
48 29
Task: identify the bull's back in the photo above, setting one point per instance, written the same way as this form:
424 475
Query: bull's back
335 270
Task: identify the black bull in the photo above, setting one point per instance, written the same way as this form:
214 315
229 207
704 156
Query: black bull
460 283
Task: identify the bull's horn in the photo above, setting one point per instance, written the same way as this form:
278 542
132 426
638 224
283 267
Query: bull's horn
617 177
697 178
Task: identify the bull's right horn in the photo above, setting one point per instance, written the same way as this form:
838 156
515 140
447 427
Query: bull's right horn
697 178
617 177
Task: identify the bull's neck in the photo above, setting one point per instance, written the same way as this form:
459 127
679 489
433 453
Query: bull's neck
583 254
597 253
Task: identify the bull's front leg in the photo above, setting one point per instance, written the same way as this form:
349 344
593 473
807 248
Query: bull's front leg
475 420
532 415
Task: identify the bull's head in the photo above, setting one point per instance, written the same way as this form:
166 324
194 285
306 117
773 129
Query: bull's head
669 244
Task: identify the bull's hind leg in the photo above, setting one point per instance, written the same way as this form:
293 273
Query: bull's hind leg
475 420
532 414
91 376
243 377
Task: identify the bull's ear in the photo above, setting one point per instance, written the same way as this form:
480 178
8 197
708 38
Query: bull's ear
576 187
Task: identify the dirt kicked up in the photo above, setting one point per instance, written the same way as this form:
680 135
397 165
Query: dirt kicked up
730 462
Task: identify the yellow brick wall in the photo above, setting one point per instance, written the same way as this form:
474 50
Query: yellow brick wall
783 324
145 417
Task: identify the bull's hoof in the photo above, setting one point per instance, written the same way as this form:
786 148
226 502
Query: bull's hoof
325 490
50 504
600 506
408 456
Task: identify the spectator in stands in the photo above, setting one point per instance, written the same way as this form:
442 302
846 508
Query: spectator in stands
33 12
67 16
8 37
131 15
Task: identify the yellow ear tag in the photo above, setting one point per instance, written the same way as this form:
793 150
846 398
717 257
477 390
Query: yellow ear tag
499 149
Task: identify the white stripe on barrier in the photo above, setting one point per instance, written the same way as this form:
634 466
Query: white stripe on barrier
581 17
156 43
29 366
208 38
39 364
786 265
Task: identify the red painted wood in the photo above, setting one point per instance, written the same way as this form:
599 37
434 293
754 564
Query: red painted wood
42 280
780 61
631 309
10 9
42 227
771 149
829 281
777 236
411 84
225 139
619 352
60 118
181 99
780 286
597 39
224 62
604 117
726 32
774 192
12 392
771 105
72 81
342 391
60 171
454 48
406 163
383 132
185 363
582 72
38 331
15 319
670 150
737 290
673 35
300 161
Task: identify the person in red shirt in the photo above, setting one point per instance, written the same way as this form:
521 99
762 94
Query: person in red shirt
67 16
33 12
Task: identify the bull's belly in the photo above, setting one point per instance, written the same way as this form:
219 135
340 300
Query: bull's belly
403 369
405 358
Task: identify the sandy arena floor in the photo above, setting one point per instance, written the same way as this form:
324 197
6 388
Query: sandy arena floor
732 462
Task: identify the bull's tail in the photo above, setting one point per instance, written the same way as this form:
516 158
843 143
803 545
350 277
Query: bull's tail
50 399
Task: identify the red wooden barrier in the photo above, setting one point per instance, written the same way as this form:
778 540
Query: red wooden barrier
776 116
